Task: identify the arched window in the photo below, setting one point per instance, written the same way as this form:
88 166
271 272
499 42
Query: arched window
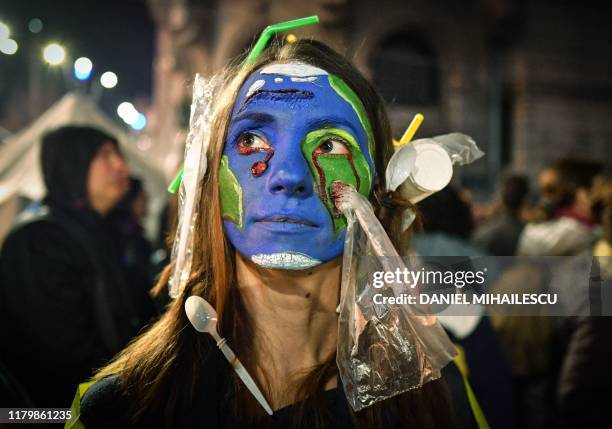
405 70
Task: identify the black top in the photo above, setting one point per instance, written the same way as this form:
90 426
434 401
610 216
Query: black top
105 405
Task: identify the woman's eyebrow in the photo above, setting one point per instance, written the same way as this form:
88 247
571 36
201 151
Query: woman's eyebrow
332 121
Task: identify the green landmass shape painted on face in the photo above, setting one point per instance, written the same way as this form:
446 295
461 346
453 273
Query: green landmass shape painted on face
351 98
230 193
328 168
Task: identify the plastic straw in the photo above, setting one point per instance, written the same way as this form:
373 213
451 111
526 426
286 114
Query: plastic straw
411 130
271 30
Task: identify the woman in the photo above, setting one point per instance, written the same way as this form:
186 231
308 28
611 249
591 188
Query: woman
268 258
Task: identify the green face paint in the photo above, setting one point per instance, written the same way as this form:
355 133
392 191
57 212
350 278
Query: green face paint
230 193
351 98
334 155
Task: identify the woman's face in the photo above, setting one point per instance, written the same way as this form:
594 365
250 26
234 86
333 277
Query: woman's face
295 130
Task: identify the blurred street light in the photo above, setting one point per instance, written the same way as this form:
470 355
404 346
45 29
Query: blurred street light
5 31
140 123
35 25
54 54
108 80
8 46
82 68
126 110
131 117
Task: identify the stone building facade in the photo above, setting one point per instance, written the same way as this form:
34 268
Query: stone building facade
530 80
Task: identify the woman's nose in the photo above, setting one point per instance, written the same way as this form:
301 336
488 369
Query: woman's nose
290 175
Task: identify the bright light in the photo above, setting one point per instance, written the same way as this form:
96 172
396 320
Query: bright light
54 54
8 46
35 25
82 68
5 31
131 117
140 123
126 110
108 80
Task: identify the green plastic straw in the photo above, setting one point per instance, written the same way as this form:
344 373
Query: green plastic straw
176 182
260 45
271 30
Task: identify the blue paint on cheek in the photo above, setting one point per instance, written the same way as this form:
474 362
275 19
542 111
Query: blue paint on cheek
283 214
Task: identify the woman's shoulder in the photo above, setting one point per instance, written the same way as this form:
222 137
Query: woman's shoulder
105 405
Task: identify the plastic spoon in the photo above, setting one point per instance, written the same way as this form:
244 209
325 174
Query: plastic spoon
203 317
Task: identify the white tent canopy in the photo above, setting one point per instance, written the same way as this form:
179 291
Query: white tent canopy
20 171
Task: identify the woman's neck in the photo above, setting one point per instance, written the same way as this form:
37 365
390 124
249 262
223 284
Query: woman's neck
294 313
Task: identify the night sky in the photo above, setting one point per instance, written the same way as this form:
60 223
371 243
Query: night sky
117 35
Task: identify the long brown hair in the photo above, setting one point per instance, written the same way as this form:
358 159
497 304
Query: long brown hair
156 368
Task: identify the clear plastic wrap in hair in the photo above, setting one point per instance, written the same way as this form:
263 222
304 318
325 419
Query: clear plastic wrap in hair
383 350
461 148
194 168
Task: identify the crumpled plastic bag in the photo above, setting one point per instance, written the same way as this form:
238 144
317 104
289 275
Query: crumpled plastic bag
383 350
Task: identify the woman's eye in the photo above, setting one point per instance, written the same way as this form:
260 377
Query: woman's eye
333 146
252 141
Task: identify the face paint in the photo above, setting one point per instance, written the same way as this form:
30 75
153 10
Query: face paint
334 156
349 95
249 144
291 141
231 194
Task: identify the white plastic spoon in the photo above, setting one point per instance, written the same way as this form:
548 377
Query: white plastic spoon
203 317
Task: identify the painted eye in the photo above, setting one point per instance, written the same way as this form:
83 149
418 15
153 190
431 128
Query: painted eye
333 146
252 141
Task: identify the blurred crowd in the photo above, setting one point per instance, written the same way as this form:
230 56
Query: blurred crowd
77 269
533 371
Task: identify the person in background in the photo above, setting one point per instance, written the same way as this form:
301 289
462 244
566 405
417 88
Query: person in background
567 228
65 307
500 234
447 225
602 214
583 388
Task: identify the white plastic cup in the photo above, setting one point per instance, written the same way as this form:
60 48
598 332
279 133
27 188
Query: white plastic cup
433 170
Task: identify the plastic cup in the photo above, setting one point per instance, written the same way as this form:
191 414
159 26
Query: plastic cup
432 171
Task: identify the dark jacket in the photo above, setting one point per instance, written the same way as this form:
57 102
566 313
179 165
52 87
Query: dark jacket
65 308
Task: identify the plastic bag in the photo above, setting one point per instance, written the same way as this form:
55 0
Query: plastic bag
383 350
194 168
461 148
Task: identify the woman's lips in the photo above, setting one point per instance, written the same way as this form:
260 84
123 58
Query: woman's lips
288 219
283 223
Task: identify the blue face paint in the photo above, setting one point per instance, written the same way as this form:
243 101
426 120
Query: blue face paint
293 133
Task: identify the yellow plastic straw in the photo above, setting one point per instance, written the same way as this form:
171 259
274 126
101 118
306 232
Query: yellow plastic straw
410 131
